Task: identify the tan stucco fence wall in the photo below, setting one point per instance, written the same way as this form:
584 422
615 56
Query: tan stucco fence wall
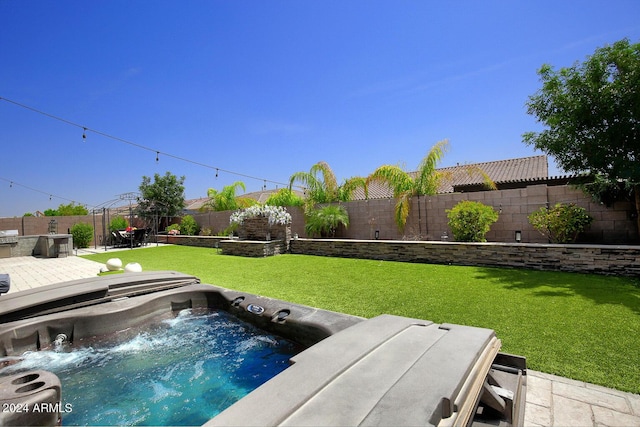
614 224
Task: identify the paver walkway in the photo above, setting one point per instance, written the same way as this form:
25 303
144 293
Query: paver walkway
29 272
551 400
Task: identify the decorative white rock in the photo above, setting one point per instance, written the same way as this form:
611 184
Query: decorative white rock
133 267
114 264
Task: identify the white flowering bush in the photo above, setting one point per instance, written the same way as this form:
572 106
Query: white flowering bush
275 214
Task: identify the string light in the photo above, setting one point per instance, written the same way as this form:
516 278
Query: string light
13 183
85 129
157 158
84 135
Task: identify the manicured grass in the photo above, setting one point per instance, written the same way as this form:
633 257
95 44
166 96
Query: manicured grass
585 327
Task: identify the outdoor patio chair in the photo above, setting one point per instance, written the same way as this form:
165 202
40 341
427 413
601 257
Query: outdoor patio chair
118 239
139 236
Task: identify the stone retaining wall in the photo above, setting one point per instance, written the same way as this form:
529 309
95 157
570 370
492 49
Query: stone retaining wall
600 259
253 248
200 241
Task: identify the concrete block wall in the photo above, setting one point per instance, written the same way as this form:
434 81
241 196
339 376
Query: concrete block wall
428 217
427 220
35 226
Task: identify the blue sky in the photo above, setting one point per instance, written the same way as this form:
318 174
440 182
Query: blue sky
268 88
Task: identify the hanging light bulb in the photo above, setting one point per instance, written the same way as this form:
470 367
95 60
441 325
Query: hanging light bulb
84 134
157 156
50 197
11 184
216 172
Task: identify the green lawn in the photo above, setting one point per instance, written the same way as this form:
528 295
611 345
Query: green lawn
585 327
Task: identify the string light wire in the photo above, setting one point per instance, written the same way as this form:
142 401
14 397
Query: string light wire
13 183
86 129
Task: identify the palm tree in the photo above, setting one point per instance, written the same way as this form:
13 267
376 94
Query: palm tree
321 185
426 182
226 200
326 220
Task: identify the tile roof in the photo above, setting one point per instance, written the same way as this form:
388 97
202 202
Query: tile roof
500 171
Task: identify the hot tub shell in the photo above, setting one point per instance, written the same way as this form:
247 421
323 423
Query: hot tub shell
387 370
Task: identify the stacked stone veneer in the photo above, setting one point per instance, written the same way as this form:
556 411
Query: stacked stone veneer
601 259
259 229
200 241
43 245
249 248
253 248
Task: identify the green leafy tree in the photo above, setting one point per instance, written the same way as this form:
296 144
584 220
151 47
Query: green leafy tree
325 221
72 209
82 234
118 223
470 221
67 210
561 223
164 196
591 112
189 226
426 182
226 199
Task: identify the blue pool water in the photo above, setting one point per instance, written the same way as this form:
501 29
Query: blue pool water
178 371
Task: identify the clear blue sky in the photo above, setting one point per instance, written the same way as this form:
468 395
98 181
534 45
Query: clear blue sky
268 88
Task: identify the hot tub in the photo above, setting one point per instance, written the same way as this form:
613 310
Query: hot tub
386 370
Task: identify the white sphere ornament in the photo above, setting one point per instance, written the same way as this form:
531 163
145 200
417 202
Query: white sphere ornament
133 267
114 264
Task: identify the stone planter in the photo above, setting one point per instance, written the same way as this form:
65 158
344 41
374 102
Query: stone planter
258 228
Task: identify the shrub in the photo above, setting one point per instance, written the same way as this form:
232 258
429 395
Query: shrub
325 221
189 226
82 234
118 223
206 231
173 229
561 223
470 221
230 229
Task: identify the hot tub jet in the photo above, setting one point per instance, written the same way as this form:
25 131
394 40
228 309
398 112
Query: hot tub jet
60 339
